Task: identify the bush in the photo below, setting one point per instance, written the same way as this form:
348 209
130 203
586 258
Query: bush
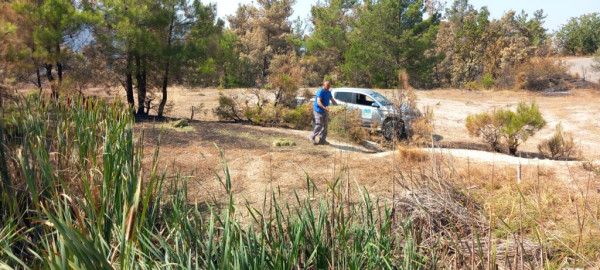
472 85
228 109
421 128
300 117
487 81
282 142
542 74
560 145
346 124
513 127
487 126
520 125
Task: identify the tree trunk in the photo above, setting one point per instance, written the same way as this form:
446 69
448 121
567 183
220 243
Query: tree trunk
129 83
51 80
140 76
512 150
264 70
59 66
39 80
163 101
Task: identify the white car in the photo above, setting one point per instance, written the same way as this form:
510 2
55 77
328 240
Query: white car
376 111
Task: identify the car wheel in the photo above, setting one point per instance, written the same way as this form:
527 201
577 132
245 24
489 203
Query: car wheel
393 129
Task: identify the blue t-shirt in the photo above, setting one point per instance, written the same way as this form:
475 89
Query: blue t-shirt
325 96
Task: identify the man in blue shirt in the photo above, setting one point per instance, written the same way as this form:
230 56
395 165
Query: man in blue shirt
320 109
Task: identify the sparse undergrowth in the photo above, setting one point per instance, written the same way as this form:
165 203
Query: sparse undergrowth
560 146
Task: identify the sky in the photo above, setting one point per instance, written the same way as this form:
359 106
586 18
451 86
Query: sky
558 12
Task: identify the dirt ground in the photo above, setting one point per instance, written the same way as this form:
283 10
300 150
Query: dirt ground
258 168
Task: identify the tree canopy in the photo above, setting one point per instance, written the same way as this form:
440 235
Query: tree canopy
146 46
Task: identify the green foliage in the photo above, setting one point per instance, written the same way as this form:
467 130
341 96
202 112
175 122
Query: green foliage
387 37
488 81
472 85
329 41
520 125
581 35
513 127
283 142
560 145
300 117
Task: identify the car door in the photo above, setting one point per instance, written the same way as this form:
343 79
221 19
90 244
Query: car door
368 113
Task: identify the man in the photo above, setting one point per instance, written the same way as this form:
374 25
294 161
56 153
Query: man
320 109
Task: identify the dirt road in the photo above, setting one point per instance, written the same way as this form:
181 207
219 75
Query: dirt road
583 67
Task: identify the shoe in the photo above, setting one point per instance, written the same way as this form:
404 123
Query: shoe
324 143
312 140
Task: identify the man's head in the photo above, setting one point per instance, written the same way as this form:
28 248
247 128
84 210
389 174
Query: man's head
326 85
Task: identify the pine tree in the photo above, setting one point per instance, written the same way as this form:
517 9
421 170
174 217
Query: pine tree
51 23
264 32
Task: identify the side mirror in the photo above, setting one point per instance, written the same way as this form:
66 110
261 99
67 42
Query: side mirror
375 105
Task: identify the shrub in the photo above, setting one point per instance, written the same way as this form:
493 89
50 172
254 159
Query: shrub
472 85
560 145
513 127
346 124
487 81
282 142
409 156
228 109
542 74
486 126
299 118
520 125
421 128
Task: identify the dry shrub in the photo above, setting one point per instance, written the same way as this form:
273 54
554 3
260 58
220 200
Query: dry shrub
487 126
542 74
404 80
409 155
472 86
285 78
560 145
422 127
347 124
229 108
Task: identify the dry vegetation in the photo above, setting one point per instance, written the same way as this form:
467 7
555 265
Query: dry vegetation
553 212
466 208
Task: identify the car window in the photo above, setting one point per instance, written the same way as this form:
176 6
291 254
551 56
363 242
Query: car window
343 96
381 99
364 100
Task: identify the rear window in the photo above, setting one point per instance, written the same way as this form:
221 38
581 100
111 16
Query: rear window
343 96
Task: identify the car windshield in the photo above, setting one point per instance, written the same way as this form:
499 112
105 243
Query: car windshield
381 99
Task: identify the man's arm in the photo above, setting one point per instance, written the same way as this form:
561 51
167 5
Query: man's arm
321 104
333 101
